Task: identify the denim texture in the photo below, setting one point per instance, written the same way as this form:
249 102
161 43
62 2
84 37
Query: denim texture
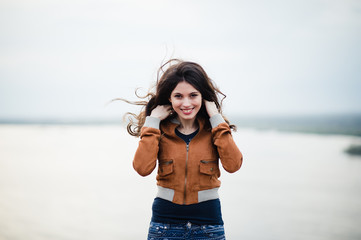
161 231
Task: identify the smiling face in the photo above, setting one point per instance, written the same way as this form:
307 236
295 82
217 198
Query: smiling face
186 101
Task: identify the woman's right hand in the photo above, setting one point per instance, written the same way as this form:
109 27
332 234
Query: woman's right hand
161 111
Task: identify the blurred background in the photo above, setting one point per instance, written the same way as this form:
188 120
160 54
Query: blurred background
291 71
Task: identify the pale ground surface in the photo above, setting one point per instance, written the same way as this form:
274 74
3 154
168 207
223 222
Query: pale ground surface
77 182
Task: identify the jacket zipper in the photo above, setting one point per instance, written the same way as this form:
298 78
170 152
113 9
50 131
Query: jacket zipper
185 179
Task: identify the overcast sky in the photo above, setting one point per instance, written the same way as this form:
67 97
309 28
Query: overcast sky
66 58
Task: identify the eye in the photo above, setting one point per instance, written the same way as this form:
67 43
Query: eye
177 96
194 94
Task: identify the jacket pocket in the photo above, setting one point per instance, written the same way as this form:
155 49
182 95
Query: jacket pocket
165 167
209 167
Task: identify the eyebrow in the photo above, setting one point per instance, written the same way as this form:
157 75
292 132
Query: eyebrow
189 93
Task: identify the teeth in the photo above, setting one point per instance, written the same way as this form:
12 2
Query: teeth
187 110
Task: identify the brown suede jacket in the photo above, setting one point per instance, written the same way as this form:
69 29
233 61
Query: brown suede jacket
186 174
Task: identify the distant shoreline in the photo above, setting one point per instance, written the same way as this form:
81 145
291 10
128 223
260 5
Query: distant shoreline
348 124
322 124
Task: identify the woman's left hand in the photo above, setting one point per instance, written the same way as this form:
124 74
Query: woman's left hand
211 108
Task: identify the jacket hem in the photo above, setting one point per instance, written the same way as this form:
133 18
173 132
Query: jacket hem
204 195
208 194
165 193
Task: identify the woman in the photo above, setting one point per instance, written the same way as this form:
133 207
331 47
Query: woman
183 130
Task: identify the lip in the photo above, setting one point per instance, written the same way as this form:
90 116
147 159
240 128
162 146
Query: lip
187 111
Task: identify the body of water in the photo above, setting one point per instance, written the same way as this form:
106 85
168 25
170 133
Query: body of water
70 182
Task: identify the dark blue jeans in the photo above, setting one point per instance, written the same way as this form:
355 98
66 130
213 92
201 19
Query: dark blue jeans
161 231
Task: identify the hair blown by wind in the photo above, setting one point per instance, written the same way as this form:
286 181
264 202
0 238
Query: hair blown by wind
169 75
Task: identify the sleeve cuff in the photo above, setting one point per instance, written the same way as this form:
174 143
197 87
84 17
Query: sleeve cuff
152 122
216 120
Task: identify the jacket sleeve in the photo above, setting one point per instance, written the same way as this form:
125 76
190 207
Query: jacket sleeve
231 157
145 157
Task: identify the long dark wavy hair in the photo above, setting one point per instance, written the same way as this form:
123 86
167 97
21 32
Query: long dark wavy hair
169 75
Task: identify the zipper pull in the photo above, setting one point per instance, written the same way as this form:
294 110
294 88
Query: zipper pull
187 147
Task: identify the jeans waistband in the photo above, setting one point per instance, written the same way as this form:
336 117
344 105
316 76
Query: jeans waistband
187 225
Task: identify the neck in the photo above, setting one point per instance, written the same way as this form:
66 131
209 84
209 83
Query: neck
187 126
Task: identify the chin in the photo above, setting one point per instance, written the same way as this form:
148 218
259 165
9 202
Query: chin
188 117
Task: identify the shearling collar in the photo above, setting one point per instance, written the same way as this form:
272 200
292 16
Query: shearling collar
170 125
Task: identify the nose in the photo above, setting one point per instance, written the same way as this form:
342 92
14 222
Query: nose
186 102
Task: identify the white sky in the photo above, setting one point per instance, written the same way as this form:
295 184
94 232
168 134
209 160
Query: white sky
66 58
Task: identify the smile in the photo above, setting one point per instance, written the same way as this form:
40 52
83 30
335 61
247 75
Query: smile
187 111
